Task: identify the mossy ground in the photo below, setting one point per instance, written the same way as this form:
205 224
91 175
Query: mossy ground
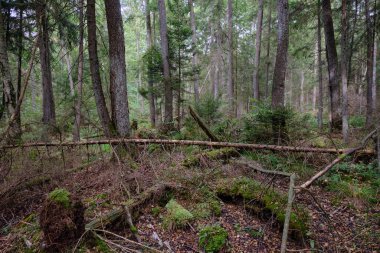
212 238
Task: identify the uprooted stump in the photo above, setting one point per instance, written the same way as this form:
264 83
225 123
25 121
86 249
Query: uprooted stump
216 154
61 220
265 203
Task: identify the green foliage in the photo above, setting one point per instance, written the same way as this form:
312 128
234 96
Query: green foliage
208 108
216 154
60 196
212 238
177 216
352 180
257 124
357 121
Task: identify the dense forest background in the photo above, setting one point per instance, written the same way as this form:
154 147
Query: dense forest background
189 126
218 55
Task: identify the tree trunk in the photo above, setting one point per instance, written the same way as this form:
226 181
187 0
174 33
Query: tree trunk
344 63
48 106
278 122
9 95
370 38
374 89
230 67
320 78
168 89
118 75
269 32
66 55
302 97
149 43
256 65
332 61
195 56
95 73
78 102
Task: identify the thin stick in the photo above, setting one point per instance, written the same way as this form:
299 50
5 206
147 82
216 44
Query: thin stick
288 213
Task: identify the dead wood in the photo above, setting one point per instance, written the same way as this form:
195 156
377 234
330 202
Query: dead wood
340 158
131 205
190 143
202 125
288 213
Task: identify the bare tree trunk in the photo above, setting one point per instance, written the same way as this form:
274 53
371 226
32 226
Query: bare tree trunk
332 60
118 75
320 78
256 65
78 102
278 123
95 73
168 89
230 82
374 90
344 62
66 55
9 95
302 97
268 51
195 56
369 75
48 106
149 42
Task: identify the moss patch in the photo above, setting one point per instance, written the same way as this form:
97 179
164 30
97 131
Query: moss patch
177 216
261 200
60 196
216 154
212 238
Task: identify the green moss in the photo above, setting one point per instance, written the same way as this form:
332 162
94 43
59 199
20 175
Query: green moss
268 200
177 216
61 196
216 154
212 238
156 211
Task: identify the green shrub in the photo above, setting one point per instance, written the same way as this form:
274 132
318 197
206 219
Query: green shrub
357 121
212 238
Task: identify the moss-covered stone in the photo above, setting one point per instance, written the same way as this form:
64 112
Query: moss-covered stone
264 201
216 154
60 196
177 216
213 238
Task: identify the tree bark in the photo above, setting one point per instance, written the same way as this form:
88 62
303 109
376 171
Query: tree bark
344 63
95 73
369 75
149 43
48 106
332 61
230 67
278 90
118 75
256 65
168 89
302 97
9 95
374 71
195 56
78 102
269 32
320 78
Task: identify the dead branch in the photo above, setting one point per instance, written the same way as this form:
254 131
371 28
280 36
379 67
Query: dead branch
288 213
190 143
247 163
338 160
202 125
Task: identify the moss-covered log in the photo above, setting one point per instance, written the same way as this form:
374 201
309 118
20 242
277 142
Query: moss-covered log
264 201
217 154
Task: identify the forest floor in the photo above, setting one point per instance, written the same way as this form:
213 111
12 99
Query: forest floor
338 222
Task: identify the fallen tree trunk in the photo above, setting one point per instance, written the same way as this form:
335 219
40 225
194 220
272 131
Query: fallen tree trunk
190 143
110 217
202 125
338 160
